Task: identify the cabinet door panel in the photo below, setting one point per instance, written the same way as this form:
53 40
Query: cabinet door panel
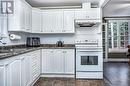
69 61
35 64
58 61
36 21
25 71
52 21
27 18
14 74
2 76
47 61
68 21
80 14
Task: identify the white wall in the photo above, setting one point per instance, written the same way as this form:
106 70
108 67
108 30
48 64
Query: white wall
3 30
53 38
115 8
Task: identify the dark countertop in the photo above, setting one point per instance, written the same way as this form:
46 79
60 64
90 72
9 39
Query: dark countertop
17 50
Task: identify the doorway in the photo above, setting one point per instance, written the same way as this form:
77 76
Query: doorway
116 39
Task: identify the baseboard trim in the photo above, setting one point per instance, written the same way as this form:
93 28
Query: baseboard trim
53 75
35 81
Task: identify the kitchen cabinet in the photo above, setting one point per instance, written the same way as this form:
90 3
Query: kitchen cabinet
14 73
58 61
68 22
27 13
20 20
93 13
52 21
58 21
52 61
69 59
35 64
47 61
21 70
25 70
36 20
2 75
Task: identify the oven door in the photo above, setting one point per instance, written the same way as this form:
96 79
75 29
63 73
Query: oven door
89 61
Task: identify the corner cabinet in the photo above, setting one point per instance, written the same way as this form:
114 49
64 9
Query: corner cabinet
58 61
36 20
21 70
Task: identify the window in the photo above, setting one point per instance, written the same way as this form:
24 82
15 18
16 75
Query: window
118 33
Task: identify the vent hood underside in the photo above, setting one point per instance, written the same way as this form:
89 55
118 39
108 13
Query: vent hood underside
86 23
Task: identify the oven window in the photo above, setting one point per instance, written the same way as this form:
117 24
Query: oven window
89 60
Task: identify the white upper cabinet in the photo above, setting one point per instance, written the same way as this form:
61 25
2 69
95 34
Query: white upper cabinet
27 17
52 21
58 21
20 20
68 22
36 20
92 13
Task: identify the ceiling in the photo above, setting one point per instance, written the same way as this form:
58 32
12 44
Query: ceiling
52 3
117 8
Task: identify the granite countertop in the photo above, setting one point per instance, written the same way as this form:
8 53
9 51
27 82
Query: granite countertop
21 49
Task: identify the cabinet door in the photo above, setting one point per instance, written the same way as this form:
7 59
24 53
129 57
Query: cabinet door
57 19
68 22
58 65
52 21
47 61
25 70
2 76
27 12
80 14
36 20
16 20
35 64
94 13
14 74
69 56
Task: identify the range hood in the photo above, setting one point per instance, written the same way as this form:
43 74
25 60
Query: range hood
86 23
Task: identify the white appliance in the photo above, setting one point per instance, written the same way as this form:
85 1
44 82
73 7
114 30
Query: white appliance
89 59
86 22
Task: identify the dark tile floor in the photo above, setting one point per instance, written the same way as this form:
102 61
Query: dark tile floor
115 74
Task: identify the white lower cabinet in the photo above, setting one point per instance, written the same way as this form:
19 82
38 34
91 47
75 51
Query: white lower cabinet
25 70
14 73
58 61
47 61
35 64
21 70
69 60
2 75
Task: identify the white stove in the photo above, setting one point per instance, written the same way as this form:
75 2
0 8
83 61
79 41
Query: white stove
89 59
